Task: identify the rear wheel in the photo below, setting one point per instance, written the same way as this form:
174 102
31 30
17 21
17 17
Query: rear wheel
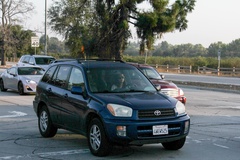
97 139
45 126
20 88
2 86
174 145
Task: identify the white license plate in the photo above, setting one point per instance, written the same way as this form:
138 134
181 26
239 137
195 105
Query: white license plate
160 130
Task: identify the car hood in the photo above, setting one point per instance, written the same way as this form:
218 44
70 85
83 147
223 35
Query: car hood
35 78
163 83
143 100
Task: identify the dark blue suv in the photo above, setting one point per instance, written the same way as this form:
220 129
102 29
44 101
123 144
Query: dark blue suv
110 102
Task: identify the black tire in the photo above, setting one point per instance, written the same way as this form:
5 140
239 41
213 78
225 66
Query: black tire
97 139
45 126
20 88
2 86
175 145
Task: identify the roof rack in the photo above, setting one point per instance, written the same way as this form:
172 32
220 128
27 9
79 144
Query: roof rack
99 59
79 60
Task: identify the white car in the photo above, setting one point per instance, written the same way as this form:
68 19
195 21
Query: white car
42 61
22 79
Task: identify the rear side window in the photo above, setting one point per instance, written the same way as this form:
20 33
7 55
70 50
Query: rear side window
48 75
43 60
61 77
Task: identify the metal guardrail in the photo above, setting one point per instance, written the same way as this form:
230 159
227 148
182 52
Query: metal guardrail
173 68
201 70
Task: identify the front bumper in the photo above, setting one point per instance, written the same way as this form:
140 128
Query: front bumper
141 131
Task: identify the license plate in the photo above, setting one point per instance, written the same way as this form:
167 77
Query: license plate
160 130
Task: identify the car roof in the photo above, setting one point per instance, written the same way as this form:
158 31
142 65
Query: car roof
141 65
94 63
40 56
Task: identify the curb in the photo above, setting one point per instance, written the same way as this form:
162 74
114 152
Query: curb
210 86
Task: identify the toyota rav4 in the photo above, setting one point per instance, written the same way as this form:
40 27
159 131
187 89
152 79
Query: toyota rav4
109 102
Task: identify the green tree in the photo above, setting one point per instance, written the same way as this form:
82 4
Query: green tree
10 10
233 49
214 48
102 26
19 42
74 20
162 19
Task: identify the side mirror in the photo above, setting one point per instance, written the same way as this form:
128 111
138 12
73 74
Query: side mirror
77 90
13 74
162 76
158 87
31 63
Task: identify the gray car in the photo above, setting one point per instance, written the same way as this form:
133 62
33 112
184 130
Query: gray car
22 79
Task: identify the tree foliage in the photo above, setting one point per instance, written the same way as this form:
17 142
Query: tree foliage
10 12
103 26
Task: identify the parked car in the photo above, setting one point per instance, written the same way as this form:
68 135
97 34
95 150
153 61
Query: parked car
109 102
21 79
167 87
42 61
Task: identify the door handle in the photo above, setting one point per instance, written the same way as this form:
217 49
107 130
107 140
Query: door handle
65 95
49 89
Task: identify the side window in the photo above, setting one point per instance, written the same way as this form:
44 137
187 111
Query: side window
62 76
48 75
31 61
26 59
12 71
76 78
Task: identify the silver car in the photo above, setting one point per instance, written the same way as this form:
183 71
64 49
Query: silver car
22 79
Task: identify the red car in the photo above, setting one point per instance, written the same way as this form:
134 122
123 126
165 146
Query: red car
168 88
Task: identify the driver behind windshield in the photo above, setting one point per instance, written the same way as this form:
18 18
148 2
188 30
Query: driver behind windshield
119 82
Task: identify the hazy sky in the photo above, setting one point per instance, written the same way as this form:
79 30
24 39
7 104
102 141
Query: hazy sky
211 21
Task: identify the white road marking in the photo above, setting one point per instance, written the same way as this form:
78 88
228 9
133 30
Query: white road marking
48 154
221 146
14 114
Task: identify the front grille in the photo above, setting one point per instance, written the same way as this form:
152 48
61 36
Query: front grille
150 113
147 132
170 92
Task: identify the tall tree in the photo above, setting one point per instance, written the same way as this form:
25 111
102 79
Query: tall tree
103 26
10 12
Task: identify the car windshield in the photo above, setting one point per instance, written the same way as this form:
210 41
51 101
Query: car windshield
30 71
44 60
109 80
151 73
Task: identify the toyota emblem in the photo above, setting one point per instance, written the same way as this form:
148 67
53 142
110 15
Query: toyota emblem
157 113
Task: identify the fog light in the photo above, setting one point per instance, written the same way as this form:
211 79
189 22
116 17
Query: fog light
28 88
187 126
121 131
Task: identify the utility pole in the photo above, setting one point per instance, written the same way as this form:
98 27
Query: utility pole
219 61
45 47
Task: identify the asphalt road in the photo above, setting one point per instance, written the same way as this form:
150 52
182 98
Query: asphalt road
214 132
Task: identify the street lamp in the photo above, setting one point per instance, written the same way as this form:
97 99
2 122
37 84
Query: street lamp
45 47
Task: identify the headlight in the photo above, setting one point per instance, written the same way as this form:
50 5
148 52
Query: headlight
30 81
180 108
181 93
119 110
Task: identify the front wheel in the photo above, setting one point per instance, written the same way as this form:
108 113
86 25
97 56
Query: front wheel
174 145
45 125
97 139
20 88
